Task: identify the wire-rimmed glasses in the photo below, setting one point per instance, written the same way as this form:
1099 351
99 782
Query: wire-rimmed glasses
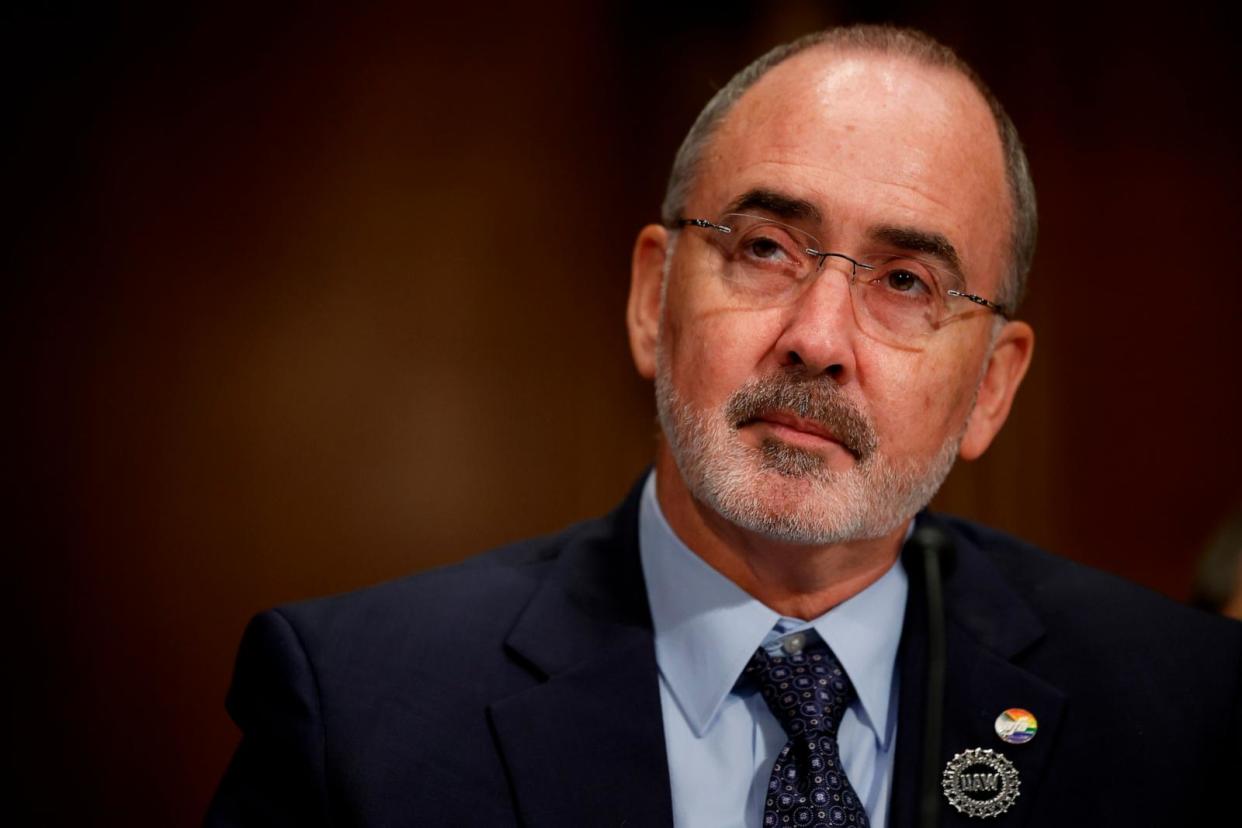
900 299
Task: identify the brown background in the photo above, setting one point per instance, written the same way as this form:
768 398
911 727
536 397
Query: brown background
299 301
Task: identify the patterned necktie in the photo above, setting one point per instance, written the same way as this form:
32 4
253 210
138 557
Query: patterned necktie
808 692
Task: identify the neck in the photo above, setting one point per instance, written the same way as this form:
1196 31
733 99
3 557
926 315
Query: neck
795 580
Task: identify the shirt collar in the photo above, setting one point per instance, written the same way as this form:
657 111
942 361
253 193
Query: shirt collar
707 627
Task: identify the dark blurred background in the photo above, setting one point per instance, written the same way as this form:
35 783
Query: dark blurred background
299 300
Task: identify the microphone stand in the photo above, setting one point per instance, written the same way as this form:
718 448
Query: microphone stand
933 544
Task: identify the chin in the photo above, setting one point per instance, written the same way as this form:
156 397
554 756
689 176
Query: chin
788 493
824 509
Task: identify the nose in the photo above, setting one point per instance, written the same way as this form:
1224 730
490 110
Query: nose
820 329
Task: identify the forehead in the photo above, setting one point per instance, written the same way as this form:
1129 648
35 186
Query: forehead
872 140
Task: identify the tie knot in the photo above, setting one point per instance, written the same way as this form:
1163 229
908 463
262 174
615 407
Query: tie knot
807 691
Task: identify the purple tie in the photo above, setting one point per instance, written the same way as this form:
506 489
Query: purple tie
808 692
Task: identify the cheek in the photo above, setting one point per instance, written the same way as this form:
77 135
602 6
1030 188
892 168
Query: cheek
917 398
712 352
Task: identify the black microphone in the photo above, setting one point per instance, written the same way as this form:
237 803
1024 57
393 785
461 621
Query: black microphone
934 549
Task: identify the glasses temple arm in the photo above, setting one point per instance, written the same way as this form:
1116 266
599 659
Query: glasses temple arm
979 300
705 224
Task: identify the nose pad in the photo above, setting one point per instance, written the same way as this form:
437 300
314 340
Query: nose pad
851 271
821 329
849 268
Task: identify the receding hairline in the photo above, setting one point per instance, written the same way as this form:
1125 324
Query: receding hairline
823 53
914 47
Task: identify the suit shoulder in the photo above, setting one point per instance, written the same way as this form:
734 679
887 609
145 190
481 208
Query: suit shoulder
1071 593
481 595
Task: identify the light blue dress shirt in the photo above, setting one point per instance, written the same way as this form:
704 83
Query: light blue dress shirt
722 742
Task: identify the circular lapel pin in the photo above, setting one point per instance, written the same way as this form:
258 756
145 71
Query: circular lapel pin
1016 726
980 782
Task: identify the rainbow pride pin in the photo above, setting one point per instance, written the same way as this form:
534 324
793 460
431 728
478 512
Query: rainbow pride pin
1016 726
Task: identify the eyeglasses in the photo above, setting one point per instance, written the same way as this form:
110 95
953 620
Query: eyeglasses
898 299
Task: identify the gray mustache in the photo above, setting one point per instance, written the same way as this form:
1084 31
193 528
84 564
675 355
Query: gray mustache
818 399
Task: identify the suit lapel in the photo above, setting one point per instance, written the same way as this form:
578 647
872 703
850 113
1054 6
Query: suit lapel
586 745
988 628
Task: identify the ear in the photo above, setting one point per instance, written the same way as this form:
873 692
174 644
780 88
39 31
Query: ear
642 313
1007 364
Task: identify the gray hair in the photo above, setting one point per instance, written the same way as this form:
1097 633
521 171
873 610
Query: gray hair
888 40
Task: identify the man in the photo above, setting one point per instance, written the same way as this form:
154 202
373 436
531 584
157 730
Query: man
827 314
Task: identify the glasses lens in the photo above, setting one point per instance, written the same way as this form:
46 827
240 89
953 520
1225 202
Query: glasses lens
767 262
902 296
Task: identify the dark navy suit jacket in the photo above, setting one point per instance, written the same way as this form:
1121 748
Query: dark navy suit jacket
520 688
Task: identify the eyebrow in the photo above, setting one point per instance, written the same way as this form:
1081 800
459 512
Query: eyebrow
780 205
909 239
920 241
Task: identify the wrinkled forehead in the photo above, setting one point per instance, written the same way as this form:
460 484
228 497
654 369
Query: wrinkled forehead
871 140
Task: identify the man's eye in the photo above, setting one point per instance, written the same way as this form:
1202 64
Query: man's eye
769 250
904 280
761 247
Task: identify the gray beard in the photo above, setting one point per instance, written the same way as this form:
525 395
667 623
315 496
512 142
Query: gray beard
787 493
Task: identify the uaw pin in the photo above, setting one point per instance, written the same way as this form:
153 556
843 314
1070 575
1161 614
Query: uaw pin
980 783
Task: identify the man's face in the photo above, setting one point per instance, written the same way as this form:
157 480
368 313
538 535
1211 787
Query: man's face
790 420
